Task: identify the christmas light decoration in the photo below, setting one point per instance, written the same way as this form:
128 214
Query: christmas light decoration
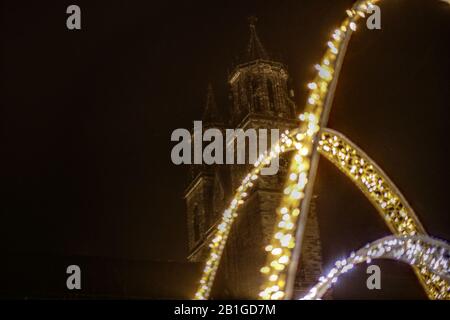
283 251
372 181
418 251
363 171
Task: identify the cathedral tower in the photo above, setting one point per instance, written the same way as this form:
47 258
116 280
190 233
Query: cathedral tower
259 99
258 85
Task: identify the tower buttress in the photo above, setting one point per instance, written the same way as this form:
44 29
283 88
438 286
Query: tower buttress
199 195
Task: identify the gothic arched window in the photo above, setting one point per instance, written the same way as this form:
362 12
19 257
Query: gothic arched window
237 96
256 106
196 222
271 95
249 92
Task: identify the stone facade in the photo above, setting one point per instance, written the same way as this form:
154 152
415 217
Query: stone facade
260 98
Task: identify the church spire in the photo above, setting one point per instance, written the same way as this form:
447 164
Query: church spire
255 49
211 113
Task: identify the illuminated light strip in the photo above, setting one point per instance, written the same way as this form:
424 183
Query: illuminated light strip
417 251
279 251
382 193
220 237
372 181
284 250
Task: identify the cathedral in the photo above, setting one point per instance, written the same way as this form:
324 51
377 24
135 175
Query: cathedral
259 98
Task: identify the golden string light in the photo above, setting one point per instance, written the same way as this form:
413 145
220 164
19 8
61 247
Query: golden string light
223 229
318 103
371 180
417 251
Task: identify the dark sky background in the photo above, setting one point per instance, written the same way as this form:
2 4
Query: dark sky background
87 115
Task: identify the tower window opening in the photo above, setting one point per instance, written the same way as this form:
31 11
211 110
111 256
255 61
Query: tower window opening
196 223
271 95
255 95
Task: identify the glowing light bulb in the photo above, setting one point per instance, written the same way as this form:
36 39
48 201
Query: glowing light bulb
265 270
312 85
277 251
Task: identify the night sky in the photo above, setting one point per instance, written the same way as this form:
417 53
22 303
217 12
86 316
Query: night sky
87 116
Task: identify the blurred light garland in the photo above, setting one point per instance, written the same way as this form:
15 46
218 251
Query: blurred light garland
223 229
417 251
318 103
372 181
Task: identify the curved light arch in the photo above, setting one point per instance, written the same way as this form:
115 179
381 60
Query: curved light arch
383 194
418 251
372 181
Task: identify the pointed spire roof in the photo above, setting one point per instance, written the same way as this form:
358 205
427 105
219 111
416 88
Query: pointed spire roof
211 113
255 49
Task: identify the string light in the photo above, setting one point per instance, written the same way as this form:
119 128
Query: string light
418 251
372 181
221 234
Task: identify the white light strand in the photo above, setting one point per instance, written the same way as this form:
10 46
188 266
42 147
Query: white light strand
417 251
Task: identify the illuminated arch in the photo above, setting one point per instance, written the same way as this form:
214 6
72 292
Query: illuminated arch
417 251
382 193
